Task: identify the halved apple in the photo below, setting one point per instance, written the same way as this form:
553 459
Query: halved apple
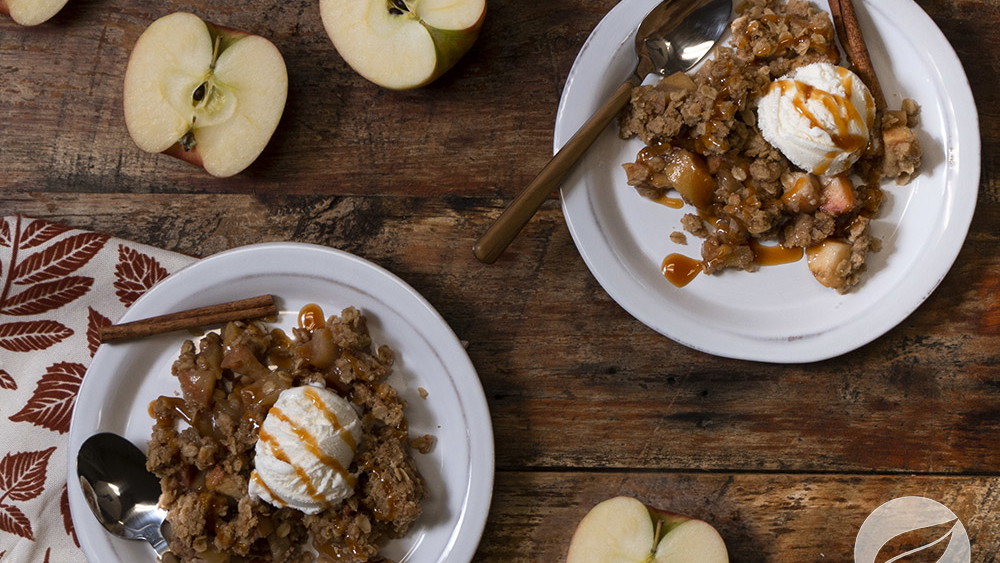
206 94
402 44
31 12
625 530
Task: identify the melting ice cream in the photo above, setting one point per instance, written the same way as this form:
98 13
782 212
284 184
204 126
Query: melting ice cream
819 116
305 449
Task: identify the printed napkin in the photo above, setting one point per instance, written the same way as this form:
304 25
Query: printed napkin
58 285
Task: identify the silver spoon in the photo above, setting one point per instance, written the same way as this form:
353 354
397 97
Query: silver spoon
673 37
123 494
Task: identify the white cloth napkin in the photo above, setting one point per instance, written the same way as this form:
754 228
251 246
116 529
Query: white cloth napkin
57 286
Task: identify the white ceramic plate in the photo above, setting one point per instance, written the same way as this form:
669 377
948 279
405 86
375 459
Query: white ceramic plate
780 313
124 378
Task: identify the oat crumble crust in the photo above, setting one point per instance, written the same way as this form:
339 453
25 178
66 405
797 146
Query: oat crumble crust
711 116
227 389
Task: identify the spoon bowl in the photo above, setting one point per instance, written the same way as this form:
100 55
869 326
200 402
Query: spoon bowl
673 37
121 492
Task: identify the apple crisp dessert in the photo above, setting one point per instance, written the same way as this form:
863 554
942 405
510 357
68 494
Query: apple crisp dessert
781 150
246 405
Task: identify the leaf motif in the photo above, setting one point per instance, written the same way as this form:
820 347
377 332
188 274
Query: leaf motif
60 259
14 521
6 381
67 516
921 544
39 232
95 321
22 475
51 405
4 233
135 274
43 297
32 335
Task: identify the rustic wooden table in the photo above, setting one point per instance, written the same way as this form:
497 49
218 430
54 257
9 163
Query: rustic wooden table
587 403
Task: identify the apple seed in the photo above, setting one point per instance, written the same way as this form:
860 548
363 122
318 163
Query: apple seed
199 93
398 7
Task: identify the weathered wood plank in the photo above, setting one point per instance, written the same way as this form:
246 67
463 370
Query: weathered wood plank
575 382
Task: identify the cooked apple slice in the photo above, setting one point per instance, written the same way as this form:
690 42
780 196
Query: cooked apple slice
830 263
402 44
31 12
209 95
624 530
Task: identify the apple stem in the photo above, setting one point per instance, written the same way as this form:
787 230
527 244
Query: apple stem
656 536
215 52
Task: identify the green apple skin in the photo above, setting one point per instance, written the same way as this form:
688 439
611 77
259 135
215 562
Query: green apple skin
451 45
392 49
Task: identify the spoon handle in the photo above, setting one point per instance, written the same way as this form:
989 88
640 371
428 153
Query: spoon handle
495 240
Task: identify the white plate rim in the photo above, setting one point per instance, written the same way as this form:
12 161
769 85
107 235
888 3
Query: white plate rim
606 59
255 262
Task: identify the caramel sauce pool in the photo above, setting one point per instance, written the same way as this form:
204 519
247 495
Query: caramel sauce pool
311 317
680 270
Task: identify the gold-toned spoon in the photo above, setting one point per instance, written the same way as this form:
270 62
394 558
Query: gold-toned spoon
673 37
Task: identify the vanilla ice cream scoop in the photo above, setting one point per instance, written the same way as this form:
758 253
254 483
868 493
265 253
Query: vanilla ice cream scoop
819 116
305 449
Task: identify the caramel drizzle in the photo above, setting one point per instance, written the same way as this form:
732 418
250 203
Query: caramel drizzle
331 417
260 481
840 107
310 442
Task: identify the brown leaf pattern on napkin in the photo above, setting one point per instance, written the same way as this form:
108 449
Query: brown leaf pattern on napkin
40 232
58 260
43 297
67 516
51 405
95 321
58 286
135 274
22 478
32 335
6 381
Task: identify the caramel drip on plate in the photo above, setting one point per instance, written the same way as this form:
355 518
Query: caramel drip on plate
680 270
311 317
774 255
671 202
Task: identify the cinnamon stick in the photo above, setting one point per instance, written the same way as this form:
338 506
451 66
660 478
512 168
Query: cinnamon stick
250 308
845 19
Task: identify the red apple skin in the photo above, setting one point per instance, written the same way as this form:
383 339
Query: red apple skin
191 156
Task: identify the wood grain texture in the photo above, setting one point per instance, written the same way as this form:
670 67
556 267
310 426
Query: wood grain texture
586 402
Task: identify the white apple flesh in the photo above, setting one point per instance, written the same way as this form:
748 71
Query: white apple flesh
209 95
624 530
31 12
402 44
